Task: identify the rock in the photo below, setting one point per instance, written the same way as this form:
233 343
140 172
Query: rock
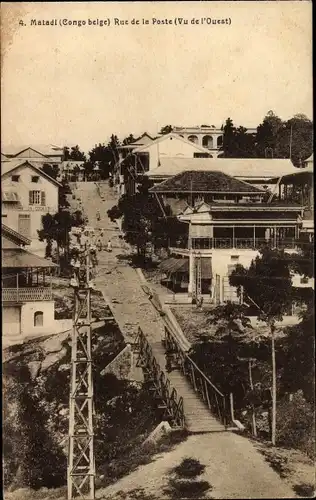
54 343
34 367
161 430
53 358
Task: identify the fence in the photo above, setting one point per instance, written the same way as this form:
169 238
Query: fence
213 398
159 384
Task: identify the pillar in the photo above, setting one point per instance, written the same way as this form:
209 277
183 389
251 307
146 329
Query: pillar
192 281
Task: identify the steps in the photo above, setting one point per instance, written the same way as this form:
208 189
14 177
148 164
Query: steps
132 309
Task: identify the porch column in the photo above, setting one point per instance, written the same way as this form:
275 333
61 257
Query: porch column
192 281
254 236
275 236
17 286
233 236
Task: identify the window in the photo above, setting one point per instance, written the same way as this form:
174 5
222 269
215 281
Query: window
35 178
15 178
37 198
38 318
304 280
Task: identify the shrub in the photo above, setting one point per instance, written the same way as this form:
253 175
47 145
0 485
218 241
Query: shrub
295 424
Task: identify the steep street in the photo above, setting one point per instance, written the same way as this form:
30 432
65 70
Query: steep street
234 466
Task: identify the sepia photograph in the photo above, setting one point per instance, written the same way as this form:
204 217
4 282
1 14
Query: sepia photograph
157 242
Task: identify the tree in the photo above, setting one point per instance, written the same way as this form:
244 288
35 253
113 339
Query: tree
166 129
51 170
74 154
229 142
285 139
57 228
63 190
105 157
268 284
128 140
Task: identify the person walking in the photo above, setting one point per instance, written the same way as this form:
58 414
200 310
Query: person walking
109 246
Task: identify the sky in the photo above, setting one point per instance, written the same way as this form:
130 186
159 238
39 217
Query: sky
70 85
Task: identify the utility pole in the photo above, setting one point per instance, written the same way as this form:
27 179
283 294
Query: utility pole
81 462
291 133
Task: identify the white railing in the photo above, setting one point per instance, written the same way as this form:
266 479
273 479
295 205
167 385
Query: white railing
26 294
244 243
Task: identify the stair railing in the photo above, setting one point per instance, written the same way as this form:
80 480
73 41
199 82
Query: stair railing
213 398
159 383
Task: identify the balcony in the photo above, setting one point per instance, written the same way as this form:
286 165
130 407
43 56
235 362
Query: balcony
18 295
241 243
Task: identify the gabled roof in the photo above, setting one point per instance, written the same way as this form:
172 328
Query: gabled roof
246 168
310 159
144 139
173 136
11 166
31 153
44 149
205 182
14 236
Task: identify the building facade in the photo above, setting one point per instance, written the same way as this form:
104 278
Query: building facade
27 194
27 299
209 137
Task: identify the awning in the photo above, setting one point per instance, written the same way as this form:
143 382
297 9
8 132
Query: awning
19 258
173 265
9 196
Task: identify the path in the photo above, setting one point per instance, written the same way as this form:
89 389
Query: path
234 466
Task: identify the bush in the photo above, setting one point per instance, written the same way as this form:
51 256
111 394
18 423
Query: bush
295 424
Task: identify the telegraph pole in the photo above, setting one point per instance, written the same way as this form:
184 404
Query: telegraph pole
81 462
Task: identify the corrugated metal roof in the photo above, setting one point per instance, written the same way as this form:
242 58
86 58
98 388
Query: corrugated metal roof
205 182
246 168
19 258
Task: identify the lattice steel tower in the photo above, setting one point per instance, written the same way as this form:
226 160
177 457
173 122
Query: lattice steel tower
81 463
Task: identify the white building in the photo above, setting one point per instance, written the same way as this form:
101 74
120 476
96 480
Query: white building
35 154
27 299
207 136
27 194
145 159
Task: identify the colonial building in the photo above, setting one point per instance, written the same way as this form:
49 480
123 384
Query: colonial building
209 137
72 170
27 194
260 172
27 299
36 154
228 222
145 159
189 188
299 187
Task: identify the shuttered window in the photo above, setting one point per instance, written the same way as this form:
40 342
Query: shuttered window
37 198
